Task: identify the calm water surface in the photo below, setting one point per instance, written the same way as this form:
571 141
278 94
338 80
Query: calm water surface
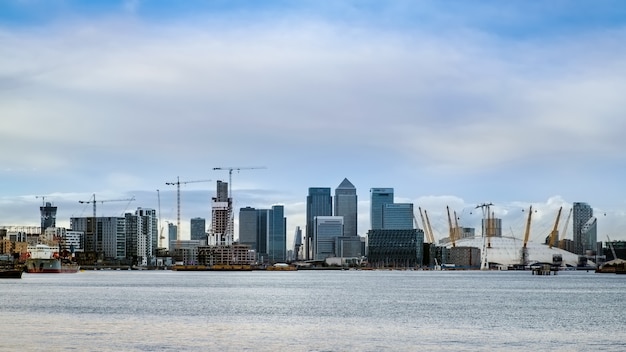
313 311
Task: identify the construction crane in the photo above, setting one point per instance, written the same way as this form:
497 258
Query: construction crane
93 201
177 184
161 237
562 234
231 215
555 231
230 175
43 200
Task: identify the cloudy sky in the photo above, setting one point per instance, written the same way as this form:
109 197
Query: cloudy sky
449 102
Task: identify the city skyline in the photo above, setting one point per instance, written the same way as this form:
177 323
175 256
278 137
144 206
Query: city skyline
449 103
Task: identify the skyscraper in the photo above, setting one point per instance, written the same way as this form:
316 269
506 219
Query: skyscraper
277 234
326 230
248 229
198 229
398 216
379 197
171 234
581 214
318 203
346 206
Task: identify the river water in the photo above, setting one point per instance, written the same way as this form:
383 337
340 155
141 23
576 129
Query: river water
313 311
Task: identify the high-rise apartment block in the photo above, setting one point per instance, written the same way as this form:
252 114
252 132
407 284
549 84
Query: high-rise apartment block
584 228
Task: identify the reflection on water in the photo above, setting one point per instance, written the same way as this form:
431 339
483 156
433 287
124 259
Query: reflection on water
313 311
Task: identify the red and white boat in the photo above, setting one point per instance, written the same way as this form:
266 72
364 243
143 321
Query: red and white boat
45 259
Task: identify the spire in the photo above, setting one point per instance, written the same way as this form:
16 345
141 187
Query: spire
345 184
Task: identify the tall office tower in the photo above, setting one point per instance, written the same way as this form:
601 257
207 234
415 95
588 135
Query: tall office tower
171 234
326 230
379 197
221 216
198 229
297 243
277 234
262 239
248 229
318 203
582 213
346 206
48 216
398 216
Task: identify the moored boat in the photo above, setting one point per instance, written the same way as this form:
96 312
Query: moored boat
44 259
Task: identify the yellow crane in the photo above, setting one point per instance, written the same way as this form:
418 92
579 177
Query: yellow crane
562 234
527 230
427 230
555 231
177 184
430 229
93 201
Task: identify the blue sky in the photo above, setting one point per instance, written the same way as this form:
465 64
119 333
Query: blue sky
449 102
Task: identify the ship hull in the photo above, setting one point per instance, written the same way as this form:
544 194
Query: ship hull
49 266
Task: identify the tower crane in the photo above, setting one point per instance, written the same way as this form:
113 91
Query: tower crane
93 201
554 233
161 237
231 215
177 184
43 200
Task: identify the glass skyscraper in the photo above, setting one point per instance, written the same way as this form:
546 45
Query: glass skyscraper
277 234
581 214
398 216
379 197
318 203
346 206
198 229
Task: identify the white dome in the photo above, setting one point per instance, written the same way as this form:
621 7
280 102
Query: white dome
507 251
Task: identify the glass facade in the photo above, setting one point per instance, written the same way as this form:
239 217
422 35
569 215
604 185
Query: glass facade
277 235
346 206
326 231
198 229
581 214
248 227
395 248
318 203
398 216
379 197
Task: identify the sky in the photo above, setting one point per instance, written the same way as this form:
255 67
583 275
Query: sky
451 103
